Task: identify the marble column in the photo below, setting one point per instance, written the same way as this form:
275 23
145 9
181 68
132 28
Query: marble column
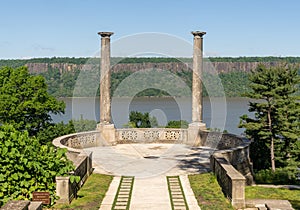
197 102
197 125
106 128
105 106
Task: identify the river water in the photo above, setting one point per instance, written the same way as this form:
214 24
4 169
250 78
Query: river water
221 113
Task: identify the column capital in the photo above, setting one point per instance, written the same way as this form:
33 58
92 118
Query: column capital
198 33
105 34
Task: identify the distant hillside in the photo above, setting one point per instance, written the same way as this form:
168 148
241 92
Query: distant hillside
62 73
221 65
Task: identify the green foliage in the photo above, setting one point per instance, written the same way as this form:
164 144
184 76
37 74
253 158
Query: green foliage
27 166
177 124
24 100
139 120
280 176
84 125
235 84
275 129
48 134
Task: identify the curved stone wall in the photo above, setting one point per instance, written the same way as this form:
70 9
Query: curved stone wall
75 142
233 148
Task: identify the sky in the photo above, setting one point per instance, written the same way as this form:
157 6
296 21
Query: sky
68 28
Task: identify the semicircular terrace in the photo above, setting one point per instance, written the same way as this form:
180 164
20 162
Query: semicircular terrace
133 144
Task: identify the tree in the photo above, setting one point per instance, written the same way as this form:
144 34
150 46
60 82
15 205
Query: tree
275 127
24 100
139 120
27 166
48 134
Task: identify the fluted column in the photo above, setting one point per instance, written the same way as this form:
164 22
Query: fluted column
105 106
197 102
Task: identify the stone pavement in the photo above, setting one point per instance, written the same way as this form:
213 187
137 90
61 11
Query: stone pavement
150 164
150 194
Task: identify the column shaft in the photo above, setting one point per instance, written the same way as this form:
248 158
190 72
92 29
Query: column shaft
105 104
197 102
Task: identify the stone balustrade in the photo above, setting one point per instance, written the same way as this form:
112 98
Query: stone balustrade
151 135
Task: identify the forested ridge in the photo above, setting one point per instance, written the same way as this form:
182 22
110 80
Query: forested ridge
83 60
62 73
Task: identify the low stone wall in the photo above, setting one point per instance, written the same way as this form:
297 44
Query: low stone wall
235 150
82 160
231 181
78 141
151 135
66 190
230 163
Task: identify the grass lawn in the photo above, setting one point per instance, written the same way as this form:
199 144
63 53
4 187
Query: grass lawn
208 192
293 196
90 195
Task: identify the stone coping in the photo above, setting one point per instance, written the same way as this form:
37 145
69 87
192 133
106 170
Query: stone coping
58 141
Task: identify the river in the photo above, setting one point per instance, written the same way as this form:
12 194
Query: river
218 113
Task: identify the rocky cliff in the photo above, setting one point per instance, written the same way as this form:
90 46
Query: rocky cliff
220 67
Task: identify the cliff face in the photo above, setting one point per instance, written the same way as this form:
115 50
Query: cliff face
220 67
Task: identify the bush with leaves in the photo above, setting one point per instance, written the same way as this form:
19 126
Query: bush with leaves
177 124
280 176
27 166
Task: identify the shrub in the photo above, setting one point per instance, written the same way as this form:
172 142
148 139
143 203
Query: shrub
178 124
280 176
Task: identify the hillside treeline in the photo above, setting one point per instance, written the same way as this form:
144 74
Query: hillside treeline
21 62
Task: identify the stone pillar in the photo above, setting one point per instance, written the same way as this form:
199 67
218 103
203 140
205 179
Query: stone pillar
63 189
106 128
197 103
105 115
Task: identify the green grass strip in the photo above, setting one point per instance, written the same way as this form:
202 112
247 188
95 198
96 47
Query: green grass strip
258 192
118 191
91 194
208 192
181 189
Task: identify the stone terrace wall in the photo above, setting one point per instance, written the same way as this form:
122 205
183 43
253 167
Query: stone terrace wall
230 163
82 160
231 181
151 135
235 150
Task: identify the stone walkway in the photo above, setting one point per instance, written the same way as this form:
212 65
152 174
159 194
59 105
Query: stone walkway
150 194
150 164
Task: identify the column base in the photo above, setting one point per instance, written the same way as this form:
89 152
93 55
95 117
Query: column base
107 133
194 138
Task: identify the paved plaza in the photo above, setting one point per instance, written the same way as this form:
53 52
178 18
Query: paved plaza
150 164
148 160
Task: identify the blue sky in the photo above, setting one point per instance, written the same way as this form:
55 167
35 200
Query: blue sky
40 28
